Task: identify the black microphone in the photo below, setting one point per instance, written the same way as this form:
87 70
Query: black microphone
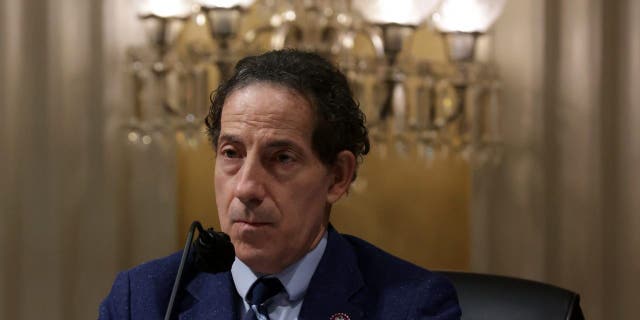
214 253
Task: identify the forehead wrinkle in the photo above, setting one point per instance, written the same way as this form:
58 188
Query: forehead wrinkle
239 132
261 121
271 124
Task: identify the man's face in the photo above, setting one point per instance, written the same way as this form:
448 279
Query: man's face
272 191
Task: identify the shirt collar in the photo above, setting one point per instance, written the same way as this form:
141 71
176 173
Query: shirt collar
294 278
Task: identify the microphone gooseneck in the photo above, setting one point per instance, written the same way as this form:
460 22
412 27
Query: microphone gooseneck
214 253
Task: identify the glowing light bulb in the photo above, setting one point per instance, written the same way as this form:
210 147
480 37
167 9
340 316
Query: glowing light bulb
166 8
406 12
146 139
225 3
467 15
201 19
133 136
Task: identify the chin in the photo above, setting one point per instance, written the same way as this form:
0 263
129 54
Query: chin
258 260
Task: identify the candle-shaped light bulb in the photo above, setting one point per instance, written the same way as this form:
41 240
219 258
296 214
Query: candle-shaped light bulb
405 12
165 8
467 15
225 3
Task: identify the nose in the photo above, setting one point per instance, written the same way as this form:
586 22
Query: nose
250 188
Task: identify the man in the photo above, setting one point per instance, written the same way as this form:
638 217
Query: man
288 137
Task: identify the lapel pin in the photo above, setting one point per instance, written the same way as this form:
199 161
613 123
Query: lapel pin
339 316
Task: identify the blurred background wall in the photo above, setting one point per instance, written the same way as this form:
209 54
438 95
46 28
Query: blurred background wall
78 205
564 206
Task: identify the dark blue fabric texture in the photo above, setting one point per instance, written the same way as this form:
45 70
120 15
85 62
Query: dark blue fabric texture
353 278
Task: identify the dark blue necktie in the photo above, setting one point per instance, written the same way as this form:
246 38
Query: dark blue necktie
259 294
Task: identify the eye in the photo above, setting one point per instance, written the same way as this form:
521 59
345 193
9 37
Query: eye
284 157
229 153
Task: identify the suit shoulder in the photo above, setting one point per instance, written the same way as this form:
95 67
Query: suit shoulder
155 275
400 282
375 259
166 267
382 269
141 290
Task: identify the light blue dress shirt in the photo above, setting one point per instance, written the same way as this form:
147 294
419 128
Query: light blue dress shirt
295 279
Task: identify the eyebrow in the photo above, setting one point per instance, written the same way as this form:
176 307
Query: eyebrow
229 138
282 143
278 143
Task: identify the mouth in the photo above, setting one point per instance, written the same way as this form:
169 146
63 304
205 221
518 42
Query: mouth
251 224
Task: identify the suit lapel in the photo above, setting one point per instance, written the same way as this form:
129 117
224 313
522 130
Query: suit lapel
337 286
213 297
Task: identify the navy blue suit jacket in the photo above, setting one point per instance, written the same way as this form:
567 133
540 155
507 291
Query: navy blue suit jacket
353 277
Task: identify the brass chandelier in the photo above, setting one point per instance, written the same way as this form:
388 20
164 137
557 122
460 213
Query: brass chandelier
414 107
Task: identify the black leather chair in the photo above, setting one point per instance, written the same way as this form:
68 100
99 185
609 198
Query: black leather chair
491 297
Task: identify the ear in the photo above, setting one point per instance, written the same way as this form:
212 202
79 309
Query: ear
342 172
